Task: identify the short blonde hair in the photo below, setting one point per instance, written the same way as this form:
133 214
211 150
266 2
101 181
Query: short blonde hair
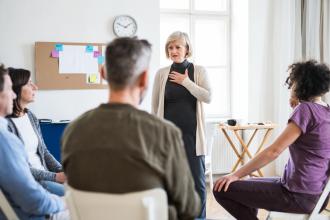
176 36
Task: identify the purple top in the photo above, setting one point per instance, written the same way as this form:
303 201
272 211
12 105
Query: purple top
307 170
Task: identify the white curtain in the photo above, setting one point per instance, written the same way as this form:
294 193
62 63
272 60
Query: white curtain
316 32
280 33
326 37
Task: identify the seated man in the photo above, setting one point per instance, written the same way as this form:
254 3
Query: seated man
116 148
26 196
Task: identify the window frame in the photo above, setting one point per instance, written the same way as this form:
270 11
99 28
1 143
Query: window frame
193 15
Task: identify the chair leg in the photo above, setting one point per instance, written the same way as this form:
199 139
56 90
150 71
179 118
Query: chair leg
211 180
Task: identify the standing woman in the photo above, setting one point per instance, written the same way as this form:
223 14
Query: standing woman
24 124
178 93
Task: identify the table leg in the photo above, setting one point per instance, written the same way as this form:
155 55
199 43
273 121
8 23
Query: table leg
243 153
246 149
231 143
268 132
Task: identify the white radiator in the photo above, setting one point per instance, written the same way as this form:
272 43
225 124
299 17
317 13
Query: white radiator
223 156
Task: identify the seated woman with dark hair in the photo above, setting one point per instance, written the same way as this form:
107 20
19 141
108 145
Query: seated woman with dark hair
44 167
307 136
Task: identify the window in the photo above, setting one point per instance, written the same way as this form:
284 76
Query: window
207 23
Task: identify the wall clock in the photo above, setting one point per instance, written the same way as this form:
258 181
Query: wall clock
124 26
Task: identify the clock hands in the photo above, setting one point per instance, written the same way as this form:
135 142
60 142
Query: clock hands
121 25
125 26
128 25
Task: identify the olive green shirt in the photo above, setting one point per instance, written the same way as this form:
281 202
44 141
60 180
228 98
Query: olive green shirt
117 148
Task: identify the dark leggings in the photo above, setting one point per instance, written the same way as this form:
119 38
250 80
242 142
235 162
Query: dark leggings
244 197
197 167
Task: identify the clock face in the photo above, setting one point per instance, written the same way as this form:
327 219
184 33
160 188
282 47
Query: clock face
124 26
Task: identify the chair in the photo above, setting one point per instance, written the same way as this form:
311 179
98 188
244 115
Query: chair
7 210
315 215
209 135
147 205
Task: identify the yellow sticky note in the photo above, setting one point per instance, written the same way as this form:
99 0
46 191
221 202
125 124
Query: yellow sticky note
92 78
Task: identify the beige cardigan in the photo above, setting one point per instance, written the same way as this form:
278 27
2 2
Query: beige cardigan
201 90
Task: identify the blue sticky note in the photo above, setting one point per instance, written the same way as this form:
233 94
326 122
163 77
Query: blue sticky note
100 59
89 49
59 47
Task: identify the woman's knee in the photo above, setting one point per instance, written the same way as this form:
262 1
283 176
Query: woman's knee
219 196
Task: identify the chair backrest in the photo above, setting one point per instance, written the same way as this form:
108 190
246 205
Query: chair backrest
147 205
313 216
6 208
322 199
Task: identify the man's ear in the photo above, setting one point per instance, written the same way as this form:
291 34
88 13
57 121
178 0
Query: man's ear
103 73
143 79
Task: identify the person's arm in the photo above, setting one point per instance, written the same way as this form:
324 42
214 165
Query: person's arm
288 136
155 94
179 182
43 174
18 182
52 164
202 90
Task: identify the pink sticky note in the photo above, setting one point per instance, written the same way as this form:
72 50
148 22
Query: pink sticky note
55 53
96 53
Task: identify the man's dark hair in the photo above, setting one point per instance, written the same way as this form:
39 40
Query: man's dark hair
3 72
126 59
19 77
310 79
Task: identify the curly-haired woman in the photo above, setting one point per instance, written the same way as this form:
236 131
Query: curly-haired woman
307 136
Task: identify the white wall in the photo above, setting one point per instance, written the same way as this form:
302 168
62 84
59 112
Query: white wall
25 22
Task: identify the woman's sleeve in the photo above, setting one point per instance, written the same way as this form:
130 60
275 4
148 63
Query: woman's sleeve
302 117
155 94
43 175
202 91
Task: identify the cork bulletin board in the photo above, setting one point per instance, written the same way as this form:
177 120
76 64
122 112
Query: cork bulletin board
54 74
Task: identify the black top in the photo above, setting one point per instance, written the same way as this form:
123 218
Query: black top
180 104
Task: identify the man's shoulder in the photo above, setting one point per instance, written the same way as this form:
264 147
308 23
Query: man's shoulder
8 139
7 136
155 121
79 122
140 117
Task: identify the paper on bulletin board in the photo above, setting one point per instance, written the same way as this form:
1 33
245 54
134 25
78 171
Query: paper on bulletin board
75 59
93 78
